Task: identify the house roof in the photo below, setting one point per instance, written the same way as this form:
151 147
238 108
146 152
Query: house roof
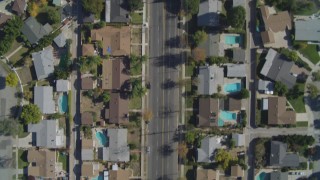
236 3
45 163
87 143
239 139
234 104
208 112
87 118
60 40
277 175
114 73
208 14
19 6
277 112
208 147
267 37
115 12
307 30
43 98
88 83
48 134
239 55
65 12
118 150
90 169
236 70
115 40
56 2
119 174
34 31
237 171
87 146
87 50
119 109
43 63
88 18
280 157
265 85
4 18
275 21
207 174
210 77
278 68
212 45
62 85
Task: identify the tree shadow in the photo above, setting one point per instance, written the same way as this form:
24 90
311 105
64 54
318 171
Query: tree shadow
168 84
14 111
173 42
2 82
169 61
173 7
165 150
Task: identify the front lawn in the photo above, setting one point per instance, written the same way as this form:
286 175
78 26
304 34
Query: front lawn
63 159
311 53
298 103
189 70
136 18
135 103
18 55
302 124
22 159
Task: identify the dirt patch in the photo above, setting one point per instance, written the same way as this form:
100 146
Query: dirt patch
25 75
88 105
136 49
136 35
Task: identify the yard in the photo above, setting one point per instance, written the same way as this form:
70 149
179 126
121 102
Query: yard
136 49
311 53
88 105
63 159
298 103
135 103
136 18
189 70
25 75
136 35
15 45
21 53
134 141
22 159
302 124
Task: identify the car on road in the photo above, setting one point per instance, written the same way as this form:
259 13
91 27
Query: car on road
148 149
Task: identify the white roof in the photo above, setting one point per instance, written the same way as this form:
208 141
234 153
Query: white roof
62 85
265 103
236 70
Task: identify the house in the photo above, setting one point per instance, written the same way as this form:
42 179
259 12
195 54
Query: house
119 109
62 85
210 78
88 83
90 169
115 40
87 146
237 171
234 104
207 174
278 113
34 31
208 147
88 50
208 112
47 134
212 45
279 175
209 12
307 30
236 3
43 63
114 74
239 139
4 18
42 163
279 156
87 118
276 27
118 150
236 70
60 40
65 12
265 105
89 18
119 174
239 55
265 87
278 68
19 6
115 12
43 98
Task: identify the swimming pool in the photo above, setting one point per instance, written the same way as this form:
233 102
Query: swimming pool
232 39
227 115
63 103
97 178
233 87
261 176
101 138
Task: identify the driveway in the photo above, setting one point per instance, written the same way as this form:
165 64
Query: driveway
5 5
8 99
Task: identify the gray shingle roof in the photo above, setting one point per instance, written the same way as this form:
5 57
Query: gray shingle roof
34 31
280 157
43 63
236 70
239 139
207 149
118 150
308 30
60 40
114 11
239 55
212 45
209 13
209 78
62 85
43 98
277 175
47 134
265 85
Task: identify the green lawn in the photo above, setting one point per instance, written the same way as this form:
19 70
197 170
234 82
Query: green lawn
298 103
18 55
63 159
189 70
15 45
136 18
302 124
136 69
189 102
22 159
135 103
311 53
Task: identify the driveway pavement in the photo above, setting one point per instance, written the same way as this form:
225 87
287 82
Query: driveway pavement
4 5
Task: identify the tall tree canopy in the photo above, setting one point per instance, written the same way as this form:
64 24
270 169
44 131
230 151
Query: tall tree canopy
135 5
30 114
236 17
192 6
93 6
9 33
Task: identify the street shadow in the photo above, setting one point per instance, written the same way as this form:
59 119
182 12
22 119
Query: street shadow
173 7
169 61
173 42
165 150
2 82
312 103
168 84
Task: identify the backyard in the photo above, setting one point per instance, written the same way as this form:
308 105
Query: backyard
298 103
311 53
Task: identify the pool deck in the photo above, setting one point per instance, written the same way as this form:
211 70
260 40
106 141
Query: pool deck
228 46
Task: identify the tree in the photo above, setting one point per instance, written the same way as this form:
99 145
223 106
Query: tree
9 33
99 25
12 80
27 95
147 115
137 89
293 56
217 60
87 132
232 143
198 54
60 73
53 16
31 114
280 88
135 5
182 150
9 127
223 158
106 96
93 6
294 92
313 90
199 37
236 17
192 6
190 137
33 8
316 75
244 93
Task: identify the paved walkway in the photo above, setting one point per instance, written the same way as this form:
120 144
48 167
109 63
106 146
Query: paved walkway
16 50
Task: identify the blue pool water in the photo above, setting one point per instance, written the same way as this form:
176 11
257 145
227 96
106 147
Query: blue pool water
97 178
63 103
261 176
102 138
226 115
233 87
232 39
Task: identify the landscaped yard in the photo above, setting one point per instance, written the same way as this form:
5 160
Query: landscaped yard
135 103
25 75
189 70
18 55
311 53
302 124
22 159
298 103
15 45
63 159
136 18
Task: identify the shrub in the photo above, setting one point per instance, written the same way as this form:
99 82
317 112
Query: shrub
30 114
12 80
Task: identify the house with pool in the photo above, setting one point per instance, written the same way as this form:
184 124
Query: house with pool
91 170
208 147
210 78
87 149
43 98
62 89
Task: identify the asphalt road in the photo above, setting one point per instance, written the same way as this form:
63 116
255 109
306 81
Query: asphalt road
164 95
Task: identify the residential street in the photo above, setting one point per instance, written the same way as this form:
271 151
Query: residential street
163 98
